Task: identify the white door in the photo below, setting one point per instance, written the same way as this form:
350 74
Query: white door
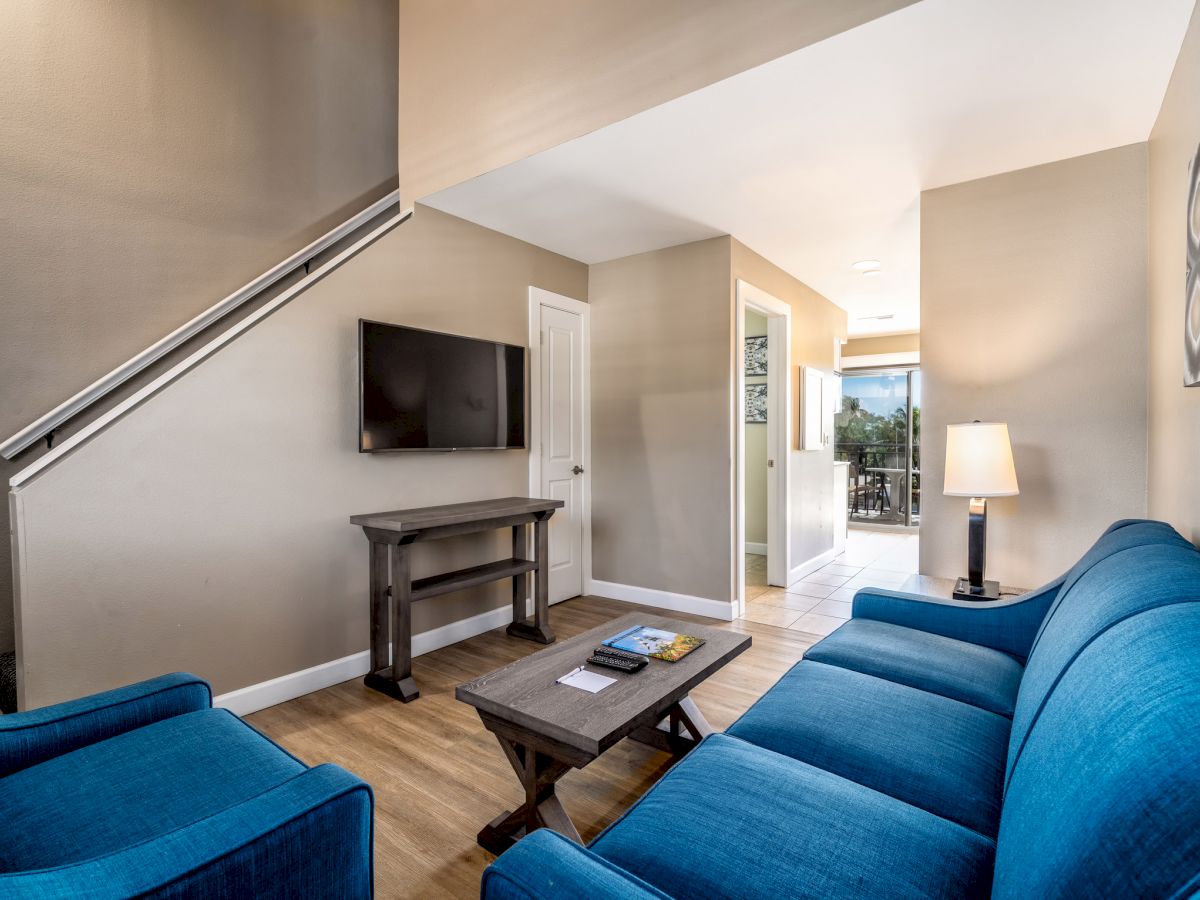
562 451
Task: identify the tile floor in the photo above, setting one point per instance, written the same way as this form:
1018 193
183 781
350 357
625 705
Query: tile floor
820 602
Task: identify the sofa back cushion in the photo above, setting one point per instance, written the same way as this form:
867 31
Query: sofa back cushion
1134 565
1104 797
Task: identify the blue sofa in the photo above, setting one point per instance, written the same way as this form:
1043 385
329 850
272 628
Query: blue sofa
1040 746
147 791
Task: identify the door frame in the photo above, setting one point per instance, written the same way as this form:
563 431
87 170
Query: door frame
779 436
539 297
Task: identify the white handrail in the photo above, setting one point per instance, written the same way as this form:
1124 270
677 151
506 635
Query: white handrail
66 410
179 369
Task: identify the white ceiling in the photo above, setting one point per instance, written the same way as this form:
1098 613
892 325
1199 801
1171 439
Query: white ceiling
817 159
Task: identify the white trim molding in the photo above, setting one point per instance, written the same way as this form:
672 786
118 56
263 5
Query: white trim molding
779 430
700 606
756 548
254 697
809 566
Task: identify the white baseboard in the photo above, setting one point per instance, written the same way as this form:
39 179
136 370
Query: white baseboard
757 548
250 699
628 593
810 566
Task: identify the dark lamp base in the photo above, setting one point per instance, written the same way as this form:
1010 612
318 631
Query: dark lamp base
989 591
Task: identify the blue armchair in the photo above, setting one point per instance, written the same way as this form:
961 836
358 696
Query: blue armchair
148 791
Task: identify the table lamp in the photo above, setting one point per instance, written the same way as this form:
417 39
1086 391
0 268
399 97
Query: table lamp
979 464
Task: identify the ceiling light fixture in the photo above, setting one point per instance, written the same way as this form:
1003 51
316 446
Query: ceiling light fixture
876 318
867 266
870 272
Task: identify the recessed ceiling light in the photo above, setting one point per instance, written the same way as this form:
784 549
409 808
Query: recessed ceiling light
870 272
876 318
867 266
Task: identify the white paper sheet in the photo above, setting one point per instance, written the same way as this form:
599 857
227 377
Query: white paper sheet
587 681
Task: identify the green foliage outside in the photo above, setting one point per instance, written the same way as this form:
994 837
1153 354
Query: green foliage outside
855 425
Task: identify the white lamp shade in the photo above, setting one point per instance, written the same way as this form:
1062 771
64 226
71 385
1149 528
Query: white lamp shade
979 461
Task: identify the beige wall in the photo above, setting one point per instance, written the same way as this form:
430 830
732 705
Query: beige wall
483 83
663 359
756 453
1033 312
155 156
660 420
1174 439
226 550
816 322
884 343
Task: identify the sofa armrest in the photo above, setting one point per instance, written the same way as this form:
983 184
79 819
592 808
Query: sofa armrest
1008 624
28 738
308 837
547 865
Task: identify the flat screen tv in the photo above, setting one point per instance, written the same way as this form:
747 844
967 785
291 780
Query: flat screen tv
424 390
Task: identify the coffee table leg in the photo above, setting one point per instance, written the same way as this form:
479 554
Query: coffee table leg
682 729
541 809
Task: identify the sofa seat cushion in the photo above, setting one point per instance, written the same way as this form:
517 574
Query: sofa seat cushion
942 755
111 795
734 820
977 675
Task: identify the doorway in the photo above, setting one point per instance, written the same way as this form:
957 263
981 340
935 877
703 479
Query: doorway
560 434
878 432
762 427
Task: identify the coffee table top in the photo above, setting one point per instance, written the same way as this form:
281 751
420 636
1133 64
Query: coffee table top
525 696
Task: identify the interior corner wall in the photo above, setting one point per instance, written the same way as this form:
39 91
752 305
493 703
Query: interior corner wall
154 157
1174 421
816 323
661 514
1034 313
208 529
484 84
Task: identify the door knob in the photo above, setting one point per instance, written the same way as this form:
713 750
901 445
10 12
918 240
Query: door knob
577 470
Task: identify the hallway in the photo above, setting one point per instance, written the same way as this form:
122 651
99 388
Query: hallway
820 602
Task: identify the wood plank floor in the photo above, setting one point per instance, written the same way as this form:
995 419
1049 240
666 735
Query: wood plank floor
438 776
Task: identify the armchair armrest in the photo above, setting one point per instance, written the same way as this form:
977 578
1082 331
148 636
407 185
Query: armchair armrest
1008 624
308 837
547 865
29 738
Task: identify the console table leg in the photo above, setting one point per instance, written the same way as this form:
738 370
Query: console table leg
539 630
379 606
399 682
519 581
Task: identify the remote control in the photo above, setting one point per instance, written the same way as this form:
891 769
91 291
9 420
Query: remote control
621 660
616 653
611 662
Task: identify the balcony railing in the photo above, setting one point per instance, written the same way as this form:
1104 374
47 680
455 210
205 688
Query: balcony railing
880 482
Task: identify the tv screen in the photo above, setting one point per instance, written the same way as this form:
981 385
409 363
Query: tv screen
423 390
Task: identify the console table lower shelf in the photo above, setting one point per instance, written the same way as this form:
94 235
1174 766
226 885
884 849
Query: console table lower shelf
393 589
547 729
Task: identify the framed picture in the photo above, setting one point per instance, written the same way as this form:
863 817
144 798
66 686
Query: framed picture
1191 290
756 404
756 355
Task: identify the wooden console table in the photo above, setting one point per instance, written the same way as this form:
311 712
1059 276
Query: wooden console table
392 534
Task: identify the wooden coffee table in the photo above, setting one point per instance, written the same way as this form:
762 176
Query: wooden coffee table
546 729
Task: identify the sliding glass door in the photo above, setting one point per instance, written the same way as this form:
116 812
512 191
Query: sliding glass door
878 432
